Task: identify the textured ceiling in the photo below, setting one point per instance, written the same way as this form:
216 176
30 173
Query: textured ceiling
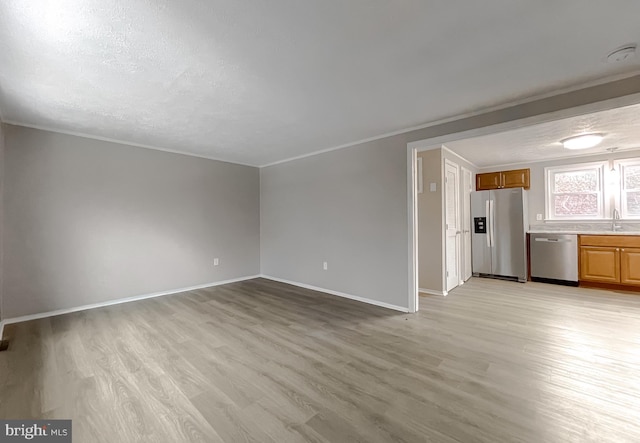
621 129
259 81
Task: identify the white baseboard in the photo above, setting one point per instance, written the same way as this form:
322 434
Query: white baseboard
433 292
9 321
339 294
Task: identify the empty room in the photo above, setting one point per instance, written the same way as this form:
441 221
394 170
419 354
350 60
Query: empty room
320 221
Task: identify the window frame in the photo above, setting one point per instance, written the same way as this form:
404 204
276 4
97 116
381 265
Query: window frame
620 166
603 201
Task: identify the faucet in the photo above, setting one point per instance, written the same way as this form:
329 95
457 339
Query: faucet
615 217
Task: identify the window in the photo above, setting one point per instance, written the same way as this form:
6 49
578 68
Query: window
575 192
630 187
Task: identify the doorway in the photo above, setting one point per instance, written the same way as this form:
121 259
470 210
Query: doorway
466 188
545 111
452 224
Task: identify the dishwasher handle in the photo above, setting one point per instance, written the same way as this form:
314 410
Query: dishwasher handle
553 240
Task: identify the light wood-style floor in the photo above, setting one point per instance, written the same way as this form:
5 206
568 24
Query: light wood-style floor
262 361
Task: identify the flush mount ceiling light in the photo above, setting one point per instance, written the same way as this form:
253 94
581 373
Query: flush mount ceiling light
584 141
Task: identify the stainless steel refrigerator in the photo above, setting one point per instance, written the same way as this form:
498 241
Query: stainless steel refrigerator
499 233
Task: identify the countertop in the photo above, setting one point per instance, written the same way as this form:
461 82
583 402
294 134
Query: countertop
583 232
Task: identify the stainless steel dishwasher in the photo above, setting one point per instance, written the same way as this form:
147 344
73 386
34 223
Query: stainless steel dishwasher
554 258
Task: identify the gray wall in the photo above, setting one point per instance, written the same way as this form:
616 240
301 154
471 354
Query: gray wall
346 207
349 206
88 221
537 191
430 223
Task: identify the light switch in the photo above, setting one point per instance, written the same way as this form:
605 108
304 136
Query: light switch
433 187
538 217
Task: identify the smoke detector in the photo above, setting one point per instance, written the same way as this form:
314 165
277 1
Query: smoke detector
622 54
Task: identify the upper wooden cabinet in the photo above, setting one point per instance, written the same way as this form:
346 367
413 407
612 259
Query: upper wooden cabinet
490 180
517 178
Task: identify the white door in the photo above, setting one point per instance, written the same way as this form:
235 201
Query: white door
467 180
452 225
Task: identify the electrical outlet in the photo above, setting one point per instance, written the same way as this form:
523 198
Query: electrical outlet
538 217
325 266
216 261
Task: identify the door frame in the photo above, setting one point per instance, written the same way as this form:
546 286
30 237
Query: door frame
437 142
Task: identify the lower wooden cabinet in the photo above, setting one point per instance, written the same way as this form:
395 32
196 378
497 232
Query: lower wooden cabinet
600 264
630 266
612 259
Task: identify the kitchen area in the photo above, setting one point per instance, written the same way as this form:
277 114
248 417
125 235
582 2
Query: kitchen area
588 254
533 264
561 204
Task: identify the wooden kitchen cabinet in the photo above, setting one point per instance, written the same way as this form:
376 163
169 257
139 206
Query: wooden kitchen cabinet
517 178
600 264
630 266
610 259
491 180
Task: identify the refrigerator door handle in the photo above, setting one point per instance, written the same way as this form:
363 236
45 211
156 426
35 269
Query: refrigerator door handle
491 224
488 217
